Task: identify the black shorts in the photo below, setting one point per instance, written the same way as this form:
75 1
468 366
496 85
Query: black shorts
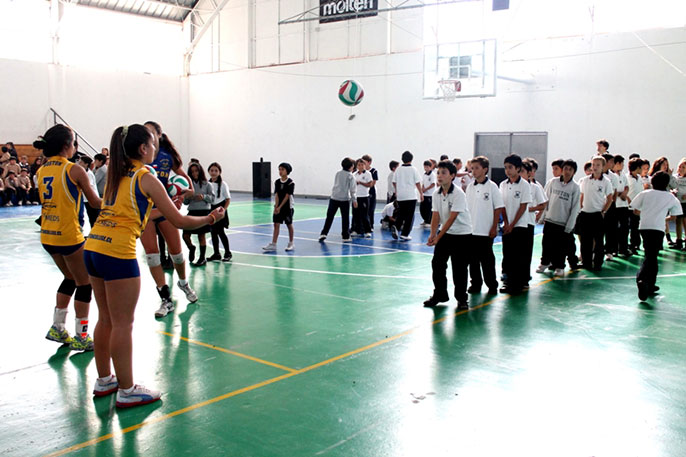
285 216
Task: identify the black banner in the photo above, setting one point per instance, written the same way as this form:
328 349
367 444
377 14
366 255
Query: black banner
343 10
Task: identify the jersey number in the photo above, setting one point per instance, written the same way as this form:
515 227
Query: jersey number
47 182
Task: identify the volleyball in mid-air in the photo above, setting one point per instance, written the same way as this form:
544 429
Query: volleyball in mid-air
177 185
350 93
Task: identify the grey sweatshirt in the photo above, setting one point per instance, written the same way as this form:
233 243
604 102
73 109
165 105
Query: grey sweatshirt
344 187
564 203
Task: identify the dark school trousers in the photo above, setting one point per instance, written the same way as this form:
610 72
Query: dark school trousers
611 228
405 217
457 249
623 230
425 209
482 259
635 238
361 216
372 206
530 230
557 245
515 245
92 213
334 206
652 243
590 228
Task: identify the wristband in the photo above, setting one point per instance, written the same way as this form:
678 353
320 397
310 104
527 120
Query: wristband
214 219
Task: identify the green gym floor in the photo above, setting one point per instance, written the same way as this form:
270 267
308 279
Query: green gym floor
328 351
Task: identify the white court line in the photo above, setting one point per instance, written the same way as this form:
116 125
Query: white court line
309 291
336 273
270 254
596 278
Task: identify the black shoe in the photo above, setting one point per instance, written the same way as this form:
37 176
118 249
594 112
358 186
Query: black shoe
227 257
214 258
474 290
642 291
394 232
678 245
191 254
573 266
493 290
462 305
433 301
167 264
201 261
655 290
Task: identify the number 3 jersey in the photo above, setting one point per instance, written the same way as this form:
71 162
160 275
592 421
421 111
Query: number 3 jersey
61 199
123 218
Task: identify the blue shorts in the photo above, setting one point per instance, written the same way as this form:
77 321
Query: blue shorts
62 250
110 268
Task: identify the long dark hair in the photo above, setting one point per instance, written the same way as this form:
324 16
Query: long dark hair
166 144
54 140
201 173
657 165
124 146
219 178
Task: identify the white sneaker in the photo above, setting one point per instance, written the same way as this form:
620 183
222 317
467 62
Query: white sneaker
269 247
559 272
290 247
542 268
322 237
109 386
165 308
367 235
609 257
405 238
138 396
347 240
353 233
190 293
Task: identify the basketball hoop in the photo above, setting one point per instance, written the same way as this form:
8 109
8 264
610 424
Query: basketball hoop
450 88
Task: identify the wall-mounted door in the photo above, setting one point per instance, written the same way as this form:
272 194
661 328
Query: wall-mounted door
498 145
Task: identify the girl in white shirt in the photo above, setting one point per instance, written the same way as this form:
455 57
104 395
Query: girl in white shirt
222 198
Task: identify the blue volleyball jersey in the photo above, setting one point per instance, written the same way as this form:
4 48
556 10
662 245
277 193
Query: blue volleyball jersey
163 165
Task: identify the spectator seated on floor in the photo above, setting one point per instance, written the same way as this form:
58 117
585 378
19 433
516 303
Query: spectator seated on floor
12 165
11 189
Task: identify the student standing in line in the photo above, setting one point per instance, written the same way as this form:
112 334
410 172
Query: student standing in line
622 207
372 190
653 206
596 197
100 161
222 199
557 168
428 188
516 193
535 209
681 196
452 241
110 256
407 183
284 187
61 186
485 204
610 219
564 197
390 192
343 192
199 204
364 181
635 184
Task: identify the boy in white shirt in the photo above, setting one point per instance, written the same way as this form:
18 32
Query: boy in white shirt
610 221
343 192
597 195
635 184
372 190
364 181
407 183
390 192
537 205
485 204
451 241
557 167
622 208
388 215
654 206
428 188
516 193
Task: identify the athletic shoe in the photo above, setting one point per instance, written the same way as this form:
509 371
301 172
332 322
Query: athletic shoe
367 235
424 224
322 237
81 344
354 233
105 388
59 336
609 256
190 293
394 232
474 290
405 238
227 257
214 258
191 254
462 305
200 263
642 291
542 268
433 301
138 396
559 272
270 247
165 308
290 247
347 240
493 290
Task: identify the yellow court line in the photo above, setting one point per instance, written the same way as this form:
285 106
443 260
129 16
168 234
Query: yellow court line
229 351
272 380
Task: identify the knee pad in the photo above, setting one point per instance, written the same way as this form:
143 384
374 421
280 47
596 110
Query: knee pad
153 260
67 287
83 293
177 258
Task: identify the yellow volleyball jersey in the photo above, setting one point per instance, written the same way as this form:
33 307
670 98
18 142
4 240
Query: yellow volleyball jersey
61 199
122 220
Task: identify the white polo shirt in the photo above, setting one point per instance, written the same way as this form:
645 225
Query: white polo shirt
623 183
514 194
482 200
453 202
391 190
595 192
427 180
387 211
655 206
635 185
364 177
406 179
613 179
538 197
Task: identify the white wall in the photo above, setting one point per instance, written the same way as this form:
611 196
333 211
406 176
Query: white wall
605 86
93 102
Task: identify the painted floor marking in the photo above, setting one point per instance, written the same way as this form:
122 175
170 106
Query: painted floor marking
326 272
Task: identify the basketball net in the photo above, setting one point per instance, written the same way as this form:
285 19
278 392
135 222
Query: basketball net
450 88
